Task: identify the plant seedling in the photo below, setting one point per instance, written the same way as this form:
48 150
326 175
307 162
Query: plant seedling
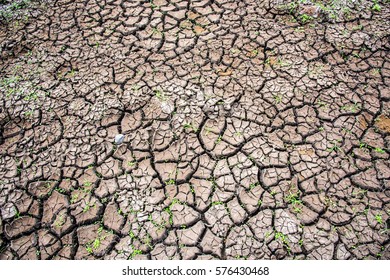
378 218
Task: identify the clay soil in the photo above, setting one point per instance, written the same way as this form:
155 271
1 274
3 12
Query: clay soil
251 132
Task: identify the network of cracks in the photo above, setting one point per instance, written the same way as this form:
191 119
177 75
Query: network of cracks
250 132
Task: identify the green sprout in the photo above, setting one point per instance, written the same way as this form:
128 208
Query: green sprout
378 218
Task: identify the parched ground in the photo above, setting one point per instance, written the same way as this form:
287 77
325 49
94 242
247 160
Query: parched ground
253 130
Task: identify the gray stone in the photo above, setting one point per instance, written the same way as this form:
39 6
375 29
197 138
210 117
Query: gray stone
119 138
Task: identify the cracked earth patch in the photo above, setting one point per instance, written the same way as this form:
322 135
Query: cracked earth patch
252 130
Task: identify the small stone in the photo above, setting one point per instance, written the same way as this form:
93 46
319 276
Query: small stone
142 216
8 211
119 139
167 108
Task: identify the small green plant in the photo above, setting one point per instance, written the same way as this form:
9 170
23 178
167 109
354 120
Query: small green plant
277 98
376 7
378 218
305 18
322 104
135 253
335 147
156 31
96 244
216 203
89 249
170 182
160 95
329 202
253 185
282 63
293 199
74 198
86 207
254 53
359 193
159 225
132 234
379 150
169 210
14 9
87 184
352 108
60 221
191 126
367 148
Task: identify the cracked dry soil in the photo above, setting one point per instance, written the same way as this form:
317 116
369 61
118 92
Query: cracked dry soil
248 133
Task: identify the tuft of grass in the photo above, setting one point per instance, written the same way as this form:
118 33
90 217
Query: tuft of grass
305 18
335 147
284 239
378 218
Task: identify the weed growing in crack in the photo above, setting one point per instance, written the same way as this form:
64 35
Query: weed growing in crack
132 234
277 98
329 202
284 239
293 199
160 95
322 104
60 190
378 218
253 185
351 108
335 147
95 244
376 7
214 203
367 147
160 226
14 9
360 193
191 126
60 221
135 253
86 207
306 18
170 182
169 209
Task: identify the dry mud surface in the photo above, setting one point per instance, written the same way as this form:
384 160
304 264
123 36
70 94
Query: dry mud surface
250 132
